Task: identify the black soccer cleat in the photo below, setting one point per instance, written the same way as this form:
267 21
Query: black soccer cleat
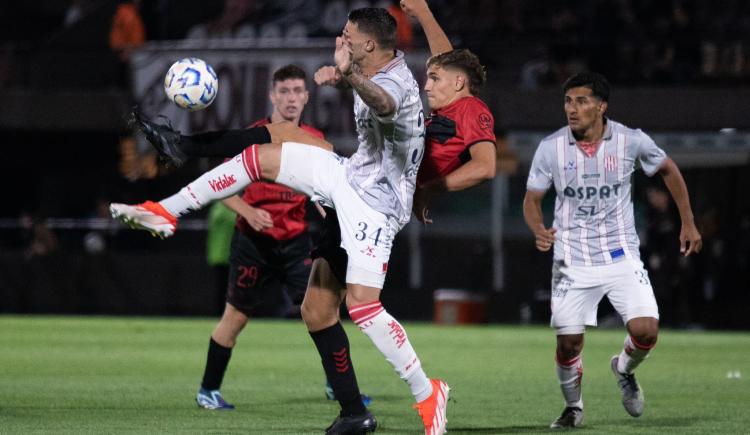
162 137
571 417
353 425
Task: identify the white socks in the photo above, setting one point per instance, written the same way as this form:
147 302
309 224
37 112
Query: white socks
632 355
570 373
391 340
227 179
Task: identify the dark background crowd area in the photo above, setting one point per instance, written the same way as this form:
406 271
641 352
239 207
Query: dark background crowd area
528 43
54 50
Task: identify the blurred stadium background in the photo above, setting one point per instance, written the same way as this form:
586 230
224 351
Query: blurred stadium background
680 71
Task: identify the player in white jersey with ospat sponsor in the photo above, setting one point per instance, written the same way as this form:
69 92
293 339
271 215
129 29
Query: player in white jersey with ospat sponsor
371 192
590 163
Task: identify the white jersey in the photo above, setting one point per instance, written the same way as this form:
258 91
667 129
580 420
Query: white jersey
383 170
594 209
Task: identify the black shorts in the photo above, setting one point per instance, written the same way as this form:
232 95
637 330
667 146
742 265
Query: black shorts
267 276
327 245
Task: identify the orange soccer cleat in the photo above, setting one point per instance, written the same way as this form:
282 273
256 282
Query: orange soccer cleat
149 216
432 409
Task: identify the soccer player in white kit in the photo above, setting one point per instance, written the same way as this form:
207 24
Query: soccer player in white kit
371 192
590 163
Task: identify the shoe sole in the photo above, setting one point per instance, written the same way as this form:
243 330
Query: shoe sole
133 223
213 408
137 121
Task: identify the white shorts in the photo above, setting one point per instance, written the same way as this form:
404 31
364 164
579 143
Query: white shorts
366 235
577 291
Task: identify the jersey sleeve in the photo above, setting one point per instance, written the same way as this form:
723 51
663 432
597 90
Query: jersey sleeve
393 87
650 156
477 124
540 174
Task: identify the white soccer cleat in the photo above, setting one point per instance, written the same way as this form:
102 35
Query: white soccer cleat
149 216
433 409
632 393
212 399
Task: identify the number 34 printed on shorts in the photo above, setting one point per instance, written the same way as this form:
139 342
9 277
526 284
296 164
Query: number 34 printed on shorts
366 232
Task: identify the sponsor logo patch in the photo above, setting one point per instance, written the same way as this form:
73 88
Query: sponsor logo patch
485 121
222 182
610 163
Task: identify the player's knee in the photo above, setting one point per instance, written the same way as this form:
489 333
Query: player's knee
569 347
646 338
644 330
360 294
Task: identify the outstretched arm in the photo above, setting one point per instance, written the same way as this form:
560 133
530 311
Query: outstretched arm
436 38
690 238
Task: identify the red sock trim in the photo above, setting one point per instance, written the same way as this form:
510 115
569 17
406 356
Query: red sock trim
251 162
567 363
641 346
364 312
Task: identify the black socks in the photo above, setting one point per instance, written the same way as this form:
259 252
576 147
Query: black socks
216 364
226 143
333 346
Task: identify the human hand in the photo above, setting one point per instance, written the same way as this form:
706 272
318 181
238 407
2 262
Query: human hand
420 206
545 238
343 56
414 8
327 75
258 219
690 239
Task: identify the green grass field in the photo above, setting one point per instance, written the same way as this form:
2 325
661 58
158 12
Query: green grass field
97 375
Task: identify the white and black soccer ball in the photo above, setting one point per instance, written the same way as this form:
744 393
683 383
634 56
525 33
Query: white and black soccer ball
191 84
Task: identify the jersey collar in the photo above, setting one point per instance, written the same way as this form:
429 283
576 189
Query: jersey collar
399 57
607 132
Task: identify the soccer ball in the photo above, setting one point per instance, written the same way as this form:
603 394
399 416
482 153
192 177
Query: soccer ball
191 84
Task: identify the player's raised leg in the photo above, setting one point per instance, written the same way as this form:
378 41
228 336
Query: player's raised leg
175 149
631 294
231 177
641 339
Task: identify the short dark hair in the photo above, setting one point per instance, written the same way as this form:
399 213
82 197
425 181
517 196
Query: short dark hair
467 62
378 23
287 72
596 82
